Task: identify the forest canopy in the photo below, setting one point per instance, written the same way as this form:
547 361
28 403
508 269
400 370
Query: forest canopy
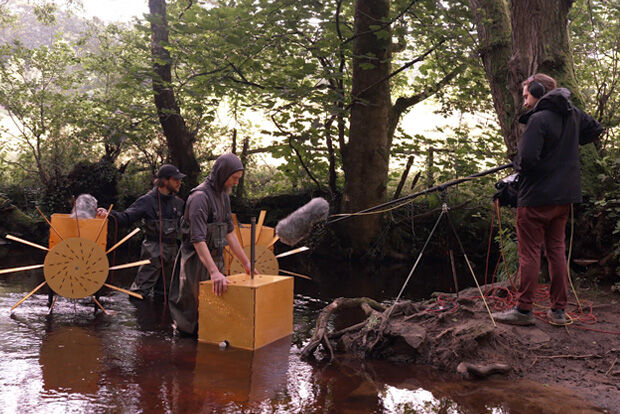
311 94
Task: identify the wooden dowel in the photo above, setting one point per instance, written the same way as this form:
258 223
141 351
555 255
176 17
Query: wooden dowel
48 222
259 224
28 295
294 251
127 237
77 221
19 269
49 312
288 272
17 239
99 304
128 265
237 229
129 292
272 242
105 221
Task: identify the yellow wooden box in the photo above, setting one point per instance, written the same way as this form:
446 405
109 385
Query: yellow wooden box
68 227
250 314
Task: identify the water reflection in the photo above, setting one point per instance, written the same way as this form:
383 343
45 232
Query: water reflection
240 376
71 360
129 361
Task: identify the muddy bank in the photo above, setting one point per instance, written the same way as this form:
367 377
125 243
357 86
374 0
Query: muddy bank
457 335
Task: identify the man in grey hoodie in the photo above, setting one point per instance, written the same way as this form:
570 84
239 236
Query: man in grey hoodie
206 228
550 181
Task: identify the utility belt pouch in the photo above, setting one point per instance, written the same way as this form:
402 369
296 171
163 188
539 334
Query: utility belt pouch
216 237
169 229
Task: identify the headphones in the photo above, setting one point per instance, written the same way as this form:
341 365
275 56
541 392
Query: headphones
536 89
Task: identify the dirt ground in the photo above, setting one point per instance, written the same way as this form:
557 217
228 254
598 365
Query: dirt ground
454 334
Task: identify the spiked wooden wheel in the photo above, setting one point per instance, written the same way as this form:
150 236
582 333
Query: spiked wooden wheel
76 265
266 262
76 268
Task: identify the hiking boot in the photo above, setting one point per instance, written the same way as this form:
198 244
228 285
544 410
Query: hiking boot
557 316
514 317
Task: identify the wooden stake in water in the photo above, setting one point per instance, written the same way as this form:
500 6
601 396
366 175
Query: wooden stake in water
252 246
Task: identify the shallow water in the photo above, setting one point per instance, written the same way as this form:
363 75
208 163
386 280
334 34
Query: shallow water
129 361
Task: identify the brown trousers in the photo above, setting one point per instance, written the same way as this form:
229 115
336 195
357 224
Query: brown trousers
539 227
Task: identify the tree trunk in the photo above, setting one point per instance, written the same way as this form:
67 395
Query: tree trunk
495 49
529 37
540 44
178 137
366 155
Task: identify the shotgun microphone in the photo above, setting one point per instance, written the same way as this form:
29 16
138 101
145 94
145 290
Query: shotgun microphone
299 224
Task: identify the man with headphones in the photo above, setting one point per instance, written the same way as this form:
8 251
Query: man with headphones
549 182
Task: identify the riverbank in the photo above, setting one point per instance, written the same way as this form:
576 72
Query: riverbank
456 334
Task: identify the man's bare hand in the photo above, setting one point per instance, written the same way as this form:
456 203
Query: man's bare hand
247 267
102 212
220 283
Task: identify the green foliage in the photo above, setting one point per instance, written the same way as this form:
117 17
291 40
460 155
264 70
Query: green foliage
82 91
510 260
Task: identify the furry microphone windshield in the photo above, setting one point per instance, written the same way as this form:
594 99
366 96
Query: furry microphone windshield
85 207
298 225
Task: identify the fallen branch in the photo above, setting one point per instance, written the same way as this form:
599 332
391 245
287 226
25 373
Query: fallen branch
611 367
321 335
570 356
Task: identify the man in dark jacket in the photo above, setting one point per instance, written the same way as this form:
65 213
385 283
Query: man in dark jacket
160 211
550 181
207 228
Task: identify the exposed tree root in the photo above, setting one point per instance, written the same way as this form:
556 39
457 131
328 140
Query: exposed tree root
321 336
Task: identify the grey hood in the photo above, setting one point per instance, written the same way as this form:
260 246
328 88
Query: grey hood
225 166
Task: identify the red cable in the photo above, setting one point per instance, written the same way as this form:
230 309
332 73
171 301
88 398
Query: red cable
448 303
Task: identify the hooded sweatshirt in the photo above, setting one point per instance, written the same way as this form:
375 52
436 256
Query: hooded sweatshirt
548 151
209 202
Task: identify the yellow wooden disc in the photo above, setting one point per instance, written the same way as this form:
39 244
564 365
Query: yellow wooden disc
76 268
266 262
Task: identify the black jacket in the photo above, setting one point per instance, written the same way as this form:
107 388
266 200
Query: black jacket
147 209
548 151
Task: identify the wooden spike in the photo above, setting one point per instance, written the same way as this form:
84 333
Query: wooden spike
49 223
17 239
49 312
77 220
127 237
273 241
288 272
132 264
99 304
19 269
259 224
129 292
105 221
28 295
294 251
237 229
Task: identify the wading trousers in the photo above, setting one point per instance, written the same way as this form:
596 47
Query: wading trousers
538 227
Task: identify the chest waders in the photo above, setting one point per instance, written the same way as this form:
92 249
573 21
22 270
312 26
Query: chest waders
157 273
169 230
189 271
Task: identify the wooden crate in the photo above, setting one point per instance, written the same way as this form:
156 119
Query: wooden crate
252 313
68 226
